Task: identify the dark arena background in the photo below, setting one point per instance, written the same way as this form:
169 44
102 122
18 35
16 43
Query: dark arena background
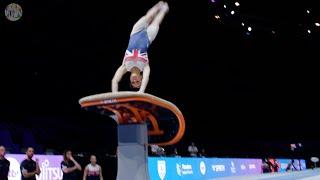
245 75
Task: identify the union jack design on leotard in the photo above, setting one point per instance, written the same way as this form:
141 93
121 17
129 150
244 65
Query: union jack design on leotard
136 55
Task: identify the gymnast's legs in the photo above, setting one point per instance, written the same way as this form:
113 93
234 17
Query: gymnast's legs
152 20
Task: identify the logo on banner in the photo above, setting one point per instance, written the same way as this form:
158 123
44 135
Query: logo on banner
109 101
218 168
14 170
184 169
178 166
252 166
47 172
13 12
233 168
283 165
162 169
202 168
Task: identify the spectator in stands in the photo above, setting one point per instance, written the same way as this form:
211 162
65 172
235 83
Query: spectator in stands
4 164
92 171
276 166
175 153
273 165
157 150
202 153
266 166
193 150
69 166
29 168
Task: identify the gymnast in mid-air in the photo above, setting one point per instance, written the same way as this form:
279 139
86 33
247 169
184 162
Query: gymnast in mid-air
136 56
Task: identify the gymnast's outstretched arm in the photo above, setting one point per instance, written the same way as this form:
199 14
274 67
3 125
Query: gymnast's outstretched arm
145 78
117 77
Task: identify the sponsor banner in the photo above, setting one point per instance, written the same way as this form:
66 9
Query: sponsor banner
162 168
49 166
172 168
201 168
297 165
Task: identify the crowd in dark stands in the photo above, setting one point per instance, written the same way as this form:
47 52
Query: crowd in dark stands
192 151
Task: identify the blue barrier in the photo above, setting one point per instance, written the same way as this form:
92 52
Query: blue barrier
201 168
297 165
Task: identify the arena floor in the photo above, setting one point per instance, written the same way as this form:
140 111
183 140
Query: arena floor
303 175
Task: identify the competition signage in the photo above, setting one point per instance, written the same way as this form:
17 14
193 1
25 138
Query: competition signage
49 166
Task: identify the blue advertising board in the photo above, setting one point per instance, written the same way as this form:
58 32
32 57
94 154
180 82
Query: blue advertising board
201 168
297 165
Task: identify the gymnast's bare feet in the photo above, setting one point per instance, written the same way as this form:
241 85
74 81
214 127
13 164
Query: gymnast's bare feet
165 7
